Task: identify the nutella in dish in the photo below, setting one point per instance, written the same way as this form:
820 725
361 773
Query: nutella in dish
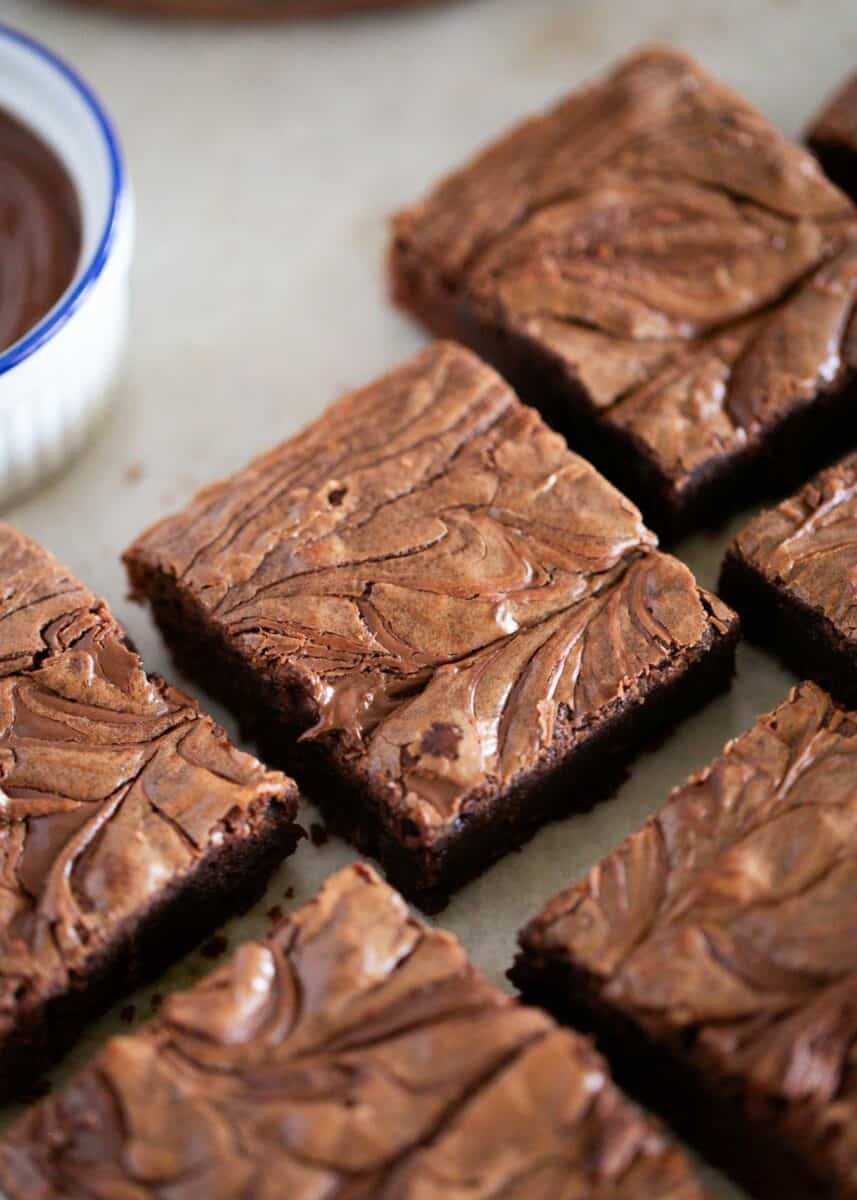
40 229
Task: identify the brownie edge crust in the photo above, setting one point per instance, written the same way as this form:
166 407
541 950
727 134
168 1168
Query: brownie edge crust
129 825
449 626
713 955
354 1055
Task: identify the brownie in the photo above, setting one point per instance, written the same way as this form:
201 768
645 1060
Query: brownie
451 627
715 954
664 275
792 575
354 1054
128 823
833 137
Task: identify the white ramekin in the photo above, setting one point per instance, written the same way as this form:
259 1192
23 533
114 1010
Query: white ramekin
55 382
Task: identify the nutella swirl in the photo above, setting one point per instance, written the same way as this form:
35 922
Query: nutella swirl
40 229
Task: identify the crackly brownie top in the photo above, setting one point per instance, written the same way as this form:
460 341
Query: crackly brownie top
808 544
445 580
685 263
728 924
354 1054
836 124
111 783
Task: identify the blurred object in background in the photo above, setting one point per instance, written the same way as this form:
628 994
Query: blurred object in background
241 10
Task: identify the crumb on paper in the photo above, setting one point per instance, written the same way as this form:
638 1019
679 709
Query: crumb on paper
318 834
275 914
133 473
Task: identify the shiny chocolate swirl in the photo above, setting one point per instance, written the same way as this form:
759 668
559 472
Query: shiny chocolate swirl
726 927
451 588
40 229
664 247
355 1055
113 785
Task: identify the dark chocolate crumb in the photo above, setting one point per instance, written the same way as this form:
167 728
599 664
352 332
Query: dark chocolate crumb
289 893
275 914
128 1013
215 946
156 1001
318 834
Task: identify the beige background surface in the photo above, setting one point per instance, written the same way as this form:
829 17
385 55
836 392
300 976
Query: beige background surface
266 161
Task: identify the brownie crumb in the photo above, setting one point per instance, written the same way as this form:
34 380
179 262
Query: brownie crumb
318 834
275 914
133 473
289 893
156 1001
215 946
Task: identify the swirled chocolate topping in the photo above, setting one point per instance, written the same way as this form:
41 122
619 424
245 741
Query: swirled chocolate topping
356 1054
114 788
40 229
808 545
725 930
451 592
653 243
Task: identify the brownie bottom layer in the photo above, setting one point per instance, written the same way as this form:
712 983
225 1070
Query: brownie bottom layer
806 641
573 780
712 1118
225 882
811 436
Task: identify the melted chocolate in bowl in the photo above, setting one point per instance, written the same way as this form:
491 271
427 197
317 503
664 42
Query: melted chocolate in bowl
40 229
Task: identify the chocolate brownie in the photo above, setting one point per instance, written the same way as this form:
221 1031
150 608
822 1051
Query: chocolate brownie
715 954
833 137
354 1054
128 823
664 275
792 575
240 10
448 624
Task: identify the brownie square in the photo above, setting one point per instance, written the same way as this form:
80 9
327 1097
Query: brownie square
129 825
833 137
715 954
666 277
447 624
792 575
354 1054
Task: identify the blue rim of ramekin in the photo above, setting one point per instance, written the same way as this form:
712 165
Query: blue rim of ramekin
71 300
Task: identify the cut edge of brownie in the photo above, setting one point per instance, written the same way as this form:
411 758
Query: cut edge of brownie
800 635
275 716
225 881
772 461
738 1142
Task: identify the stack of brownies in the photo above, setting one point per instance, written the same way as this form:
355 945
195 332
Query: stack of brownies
450 628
